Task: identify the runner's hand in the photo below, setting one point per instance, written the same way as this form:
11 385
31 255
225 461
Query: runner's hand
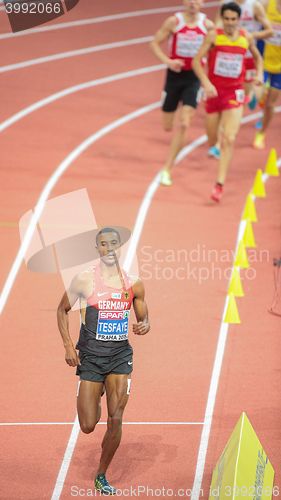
141 328
71 356
176 65
210 91
258 80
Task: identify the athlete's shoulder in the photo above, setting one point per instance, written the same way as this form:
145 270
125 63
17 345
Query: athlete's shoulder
208 24
138 288
81 280
171 22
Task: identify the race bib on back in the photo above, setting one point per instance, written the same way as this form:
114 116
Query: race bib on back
228 65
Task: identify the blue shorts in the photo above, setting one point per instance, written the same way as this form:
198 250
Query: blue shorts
274 79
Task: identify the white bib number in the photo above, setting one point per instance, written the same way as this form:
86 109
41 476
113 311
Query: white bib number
228 65
188 44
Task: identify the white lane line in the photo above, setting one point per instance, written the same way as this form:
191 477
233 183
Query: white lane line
75 53
217 367
15 424
97 20
66 460
224 327
76 88
63 166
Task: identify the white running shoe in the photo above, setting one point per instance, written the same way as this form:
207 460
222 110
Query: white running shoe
165 178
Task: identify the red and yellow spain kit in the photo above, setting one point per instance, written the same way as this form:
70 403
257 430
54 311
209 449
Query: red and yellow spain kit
272 50
185 42
226 71
250 24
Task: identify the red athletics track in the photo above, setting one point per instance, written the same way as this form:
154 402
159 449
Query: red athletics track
173 364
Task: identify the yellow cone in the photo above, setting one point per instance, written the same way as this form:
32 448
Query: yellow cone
248 237
235 286
250 210
271 166
241 259
232 314
258 188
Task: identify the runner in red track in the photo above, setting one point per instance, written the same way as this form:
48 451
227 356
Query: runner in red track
105 355
185 32
224 86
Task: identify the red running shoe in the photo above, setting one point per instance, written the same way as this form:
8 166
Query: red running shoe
217 192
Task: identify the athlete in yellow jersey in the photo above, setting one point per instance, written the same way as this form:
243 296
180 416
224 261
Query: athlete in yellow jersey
272 67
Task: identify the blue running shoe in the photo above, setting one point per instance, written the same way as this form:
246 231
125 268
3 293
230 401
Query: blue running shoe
102 485
214 152
258 125
252 104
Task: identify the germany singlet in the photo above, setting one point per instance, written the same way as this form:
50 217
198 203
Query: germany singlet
106 326
185 41
272 51
226 61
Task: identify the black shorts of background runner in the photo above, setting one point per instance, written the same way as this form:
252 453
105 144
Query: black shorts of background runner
180 87
96 368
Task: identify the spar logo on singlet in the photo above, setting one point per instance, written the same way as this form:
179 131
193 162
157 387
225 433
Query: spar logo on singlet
113 325
26 14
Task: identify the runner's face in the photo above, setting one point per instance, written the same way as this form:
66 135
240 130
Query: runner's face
230 21
107 245
192 6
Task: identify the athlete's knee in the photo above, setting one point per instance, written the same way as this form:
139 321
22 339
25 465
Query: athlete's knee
114 424
167 127
228 139
87 427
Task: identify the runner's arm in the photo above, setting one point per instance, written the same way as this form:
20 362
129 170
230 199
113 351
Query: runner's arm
209 88
258 80
261 17
68 300
161 36
142 326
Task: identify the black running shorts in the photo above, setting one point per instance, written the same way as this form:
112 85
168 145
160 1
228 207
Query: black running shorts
180 87
95 368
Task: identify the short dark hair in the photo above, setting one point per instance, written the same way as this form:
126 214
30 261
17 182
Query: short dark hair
108 230
231 6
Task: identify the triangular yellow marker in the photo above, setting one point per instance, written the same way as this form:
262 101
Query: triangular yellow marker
235 286
248 237
241 259
250 210
271 166
258 188
231 315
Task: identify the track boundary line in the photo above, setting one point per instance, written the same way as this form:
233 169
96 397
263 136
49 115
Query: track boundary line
15 424
76 88
97 20
214 383
63 166
74 53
